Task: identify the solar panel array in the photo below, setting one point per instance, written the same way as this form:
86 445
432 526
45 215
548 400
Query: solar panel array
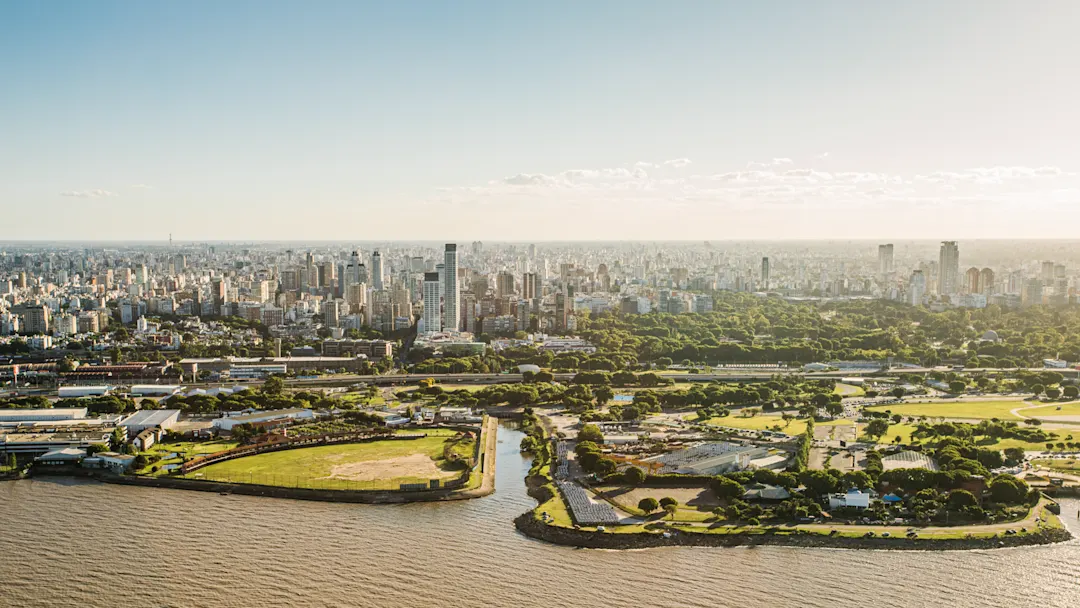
697 453
562 471
585 511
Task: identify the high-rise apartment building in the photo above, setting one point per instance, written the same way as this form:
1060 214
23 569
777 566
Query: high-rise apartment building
885 259
1048 273
504 284
377 275
529 286
562 316
973 280
432 305
948 268
916 288
451 292
986 281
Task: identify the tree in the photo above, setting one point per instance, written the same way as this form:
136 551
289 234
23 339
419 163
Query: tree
877 427
961 499
820 400
957 386
898 392
1070 392
648 505
670 506
726 488
834 409
1014 455
274 385
1008 489
1053 393
1037 389
603 394
590 432
634 476
116 440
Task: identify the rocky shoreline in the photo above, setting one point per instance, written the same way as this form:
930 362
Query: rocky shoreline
530 526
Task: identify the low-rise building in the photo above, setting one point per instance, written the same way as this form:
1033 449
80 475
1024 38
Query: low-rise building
228 422
853 498
149 419
42 414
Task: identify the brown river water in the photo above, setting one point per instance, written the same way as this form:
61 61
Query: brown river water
66 542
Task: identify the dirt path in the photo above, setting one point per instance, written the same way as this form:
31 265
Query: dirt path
489 435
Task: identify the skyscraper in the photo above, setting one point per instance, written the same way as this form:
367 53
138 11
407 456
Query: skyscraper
432 305
504 284
376 271
973 279
885 259
765 273
529 285
451 293
986 281
916 288
948 268
1047 273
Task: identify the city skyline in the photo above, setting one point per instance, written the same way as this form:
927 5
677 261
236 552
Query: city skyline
818 125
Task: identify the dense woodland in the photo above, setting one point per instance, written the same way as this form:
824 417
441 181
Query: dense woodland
744 328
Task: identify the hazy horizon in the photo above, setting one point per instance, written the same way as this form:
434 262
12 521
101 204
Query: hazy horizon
600 121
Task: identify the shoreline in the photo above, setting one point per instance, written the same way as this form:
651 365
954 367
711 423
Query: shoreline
528 524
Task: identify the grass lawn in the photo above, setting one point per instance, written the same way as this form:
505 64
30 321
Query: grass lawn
362 399
184 450
556 508
903 430
372 465
979 410
768 421
849 390
1071 408
1070 465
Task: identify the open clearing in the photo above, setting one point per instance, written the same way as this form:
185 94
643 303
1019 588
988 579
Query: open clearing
848 390
376 464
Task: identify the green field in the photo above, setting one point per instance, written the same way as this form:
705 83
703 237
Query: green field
976 410
1065 466
848 390
1071 408
372 465
185 450
769 421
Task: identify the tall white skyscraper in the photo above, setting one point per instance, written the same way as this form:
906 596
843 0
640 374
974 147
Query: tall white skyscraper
451 293
916 288
376 270
949 268
885 259
432 304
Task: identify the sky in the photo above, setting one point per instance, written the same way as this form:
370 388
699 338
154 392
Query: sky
539 121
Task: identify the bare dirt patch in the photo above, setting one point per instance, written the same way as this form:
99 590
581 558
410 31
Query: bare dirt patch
414 465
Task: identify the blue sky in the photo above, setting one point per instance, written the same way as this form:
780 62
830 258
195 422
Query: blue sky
538 120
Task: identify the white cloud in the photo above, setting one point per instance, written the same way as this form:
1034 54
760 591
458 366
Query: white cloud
97 193
629 196
677 162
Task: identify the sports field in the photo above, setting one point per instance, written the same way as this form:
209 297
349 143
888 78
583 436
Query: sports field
381 464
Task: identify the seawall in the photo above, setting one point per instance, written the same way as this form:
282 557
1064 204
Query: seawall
530 526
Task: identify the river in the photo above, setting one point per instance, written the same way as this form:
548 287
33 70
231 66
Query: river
80 543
